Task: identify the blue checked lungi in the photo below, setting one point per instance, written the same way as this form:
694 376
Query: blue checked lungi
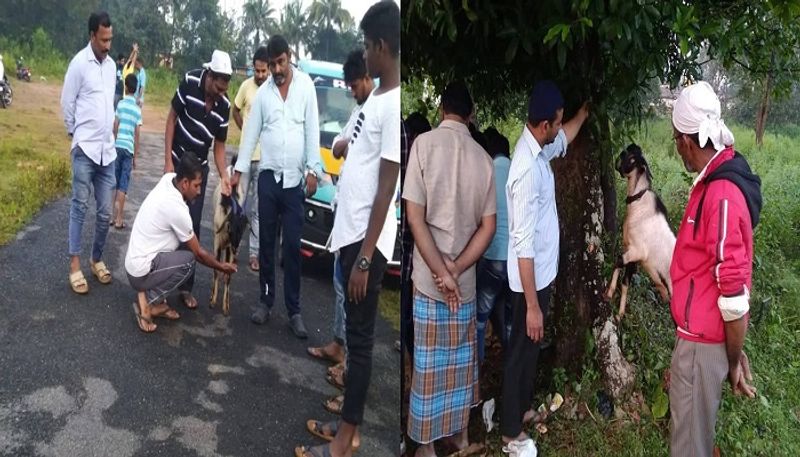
444 383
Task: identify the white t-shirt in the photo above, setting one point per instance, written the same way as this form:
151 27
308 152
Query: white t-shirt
162 223
376 136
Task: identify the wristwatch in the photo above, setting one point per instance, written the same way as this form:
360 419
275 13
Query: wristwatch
312 172
363 263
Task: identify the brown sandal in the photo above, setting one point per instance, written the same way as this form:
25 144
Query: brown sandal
327 431
140 319
334 404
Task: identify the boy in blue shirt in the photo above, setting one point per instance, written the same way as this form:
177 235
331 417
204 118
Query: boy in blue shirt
126 131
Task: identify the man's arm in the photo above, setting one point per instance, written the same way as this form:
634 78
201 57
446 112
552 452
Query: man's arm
116 127
573 126
423 242
169 137
69 96
249 139
312 134
207 259
135 145
340 149
237 116
219 159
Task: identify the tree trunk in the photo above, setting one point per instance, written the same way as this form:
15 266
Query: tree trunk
579 307
763 110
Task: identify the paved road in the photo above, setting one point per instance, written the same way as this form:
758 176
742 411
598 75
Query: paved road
77 377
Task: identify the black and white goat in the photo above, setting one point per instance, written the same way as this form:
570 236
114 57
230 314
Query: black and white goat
646 235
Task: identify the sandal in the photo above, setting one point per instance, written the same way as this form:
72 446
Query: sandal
319 353
169 314
140 319
101 272
78 283
336 381
334 405
120 226
317 451
327 431
188 300
254 263
337 370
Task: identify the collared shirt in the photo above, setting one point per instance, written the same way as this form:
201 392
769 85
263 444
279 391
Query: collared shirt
452 177
244 102
196 129
87 102
141 79
288 130
532 216
498 249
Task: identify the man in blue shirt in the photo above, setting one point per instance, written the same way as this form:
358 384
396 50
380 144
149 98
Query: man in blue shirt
285 118
492 272
141 77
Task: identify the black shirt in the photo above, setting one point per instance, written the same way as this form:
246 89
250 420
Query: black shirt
196 129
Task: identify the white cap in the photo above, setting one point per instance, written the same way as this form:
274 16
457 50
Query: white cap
220 63
698 110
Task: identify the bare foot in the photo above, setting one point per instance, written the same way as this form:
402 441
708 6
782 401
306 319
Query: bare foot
188 300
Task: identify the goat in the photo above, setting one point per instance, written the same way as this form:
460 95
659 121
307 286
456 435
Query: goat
646 235
229 228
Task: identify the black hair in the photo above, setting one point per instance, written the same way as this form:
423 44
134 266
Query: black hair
497 143
457 100
276 46
355 67
478 136
382 22
139 59
261 55
131 82
416 124
97 19
189 167
222 76
121 57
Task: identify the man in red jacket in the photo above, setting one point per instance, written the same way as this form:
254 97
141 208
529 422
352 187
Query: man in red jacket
711 272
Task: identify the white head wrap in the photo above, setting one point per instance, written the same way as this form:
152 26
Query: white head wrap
697 110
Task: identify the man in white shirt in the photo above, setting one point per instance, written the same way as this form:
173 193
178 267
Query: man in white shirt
361 85
284 118
87 102
365 225
154 265
532 251
2 69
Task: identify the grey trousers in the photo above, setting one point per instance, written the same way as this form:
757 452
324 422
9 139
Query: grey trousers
696 376
168 271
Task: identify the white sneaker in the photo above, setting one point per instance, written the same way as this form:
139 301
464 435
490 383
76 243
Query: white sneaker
517 448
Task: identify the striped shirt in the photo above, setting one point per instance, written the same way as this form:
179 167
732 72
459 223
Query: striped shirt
129 116
196 129
532 216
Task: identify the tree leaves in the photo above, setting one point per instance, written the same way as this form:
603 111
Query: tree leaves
660 403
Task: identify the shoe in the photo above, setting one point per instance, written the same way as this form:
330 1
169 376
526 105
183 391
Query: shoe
298 327
524 448
261 315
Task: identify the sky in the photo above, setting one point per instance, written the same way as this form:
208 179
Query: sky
356 7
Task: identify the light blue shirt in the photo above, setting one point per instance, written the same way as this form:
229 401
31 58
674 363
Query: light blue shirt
87 102
288 131
498 250
141 77
532 216
130 117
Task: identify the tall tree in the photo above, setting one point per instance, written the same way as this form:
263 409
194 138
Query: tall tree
293 25
330 20
258 19
608 52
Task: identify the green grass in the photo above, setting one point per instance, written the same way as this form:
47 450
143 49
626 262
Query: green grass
766 426
35 165
389 305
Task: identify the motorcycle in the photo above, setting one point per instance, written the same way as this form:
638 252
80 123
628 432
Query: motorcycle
6 94
24 73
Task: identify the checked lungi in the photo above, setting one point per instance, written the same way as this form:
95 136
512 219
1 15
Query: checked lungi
444 384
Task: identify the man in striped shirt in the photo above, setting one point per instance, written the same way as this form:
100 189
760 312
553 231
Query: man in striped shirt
126 129
197 118
532 251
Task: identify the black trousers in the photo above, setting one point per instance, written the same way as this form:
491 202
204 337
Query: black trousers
284 206
520 359
196 211
360 332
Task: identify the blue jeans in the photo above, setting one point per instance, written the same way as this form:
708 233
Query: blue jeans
124 164
85 176
492 288
339 315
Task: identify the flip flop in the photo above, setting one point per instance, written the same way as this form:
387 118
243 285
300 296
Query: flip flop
334 382
318 429
120 226
333 405
318 353
140 318
317 451
101 272
336 370
170 314
78 283
187 297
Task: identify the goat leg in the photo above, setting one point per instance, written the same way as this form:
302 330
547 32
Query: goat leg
612 287
214 285
226 298
630 269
